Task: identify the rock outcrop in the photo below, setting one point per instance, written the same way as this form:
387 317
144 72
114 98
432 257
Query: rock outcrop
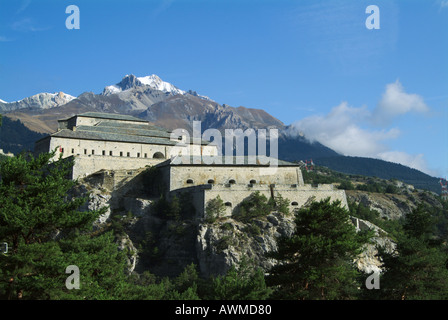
166 245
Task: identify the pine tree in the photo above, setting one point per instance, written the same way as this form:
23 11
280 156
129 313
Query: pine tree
417 269
241 282
317 261
47 232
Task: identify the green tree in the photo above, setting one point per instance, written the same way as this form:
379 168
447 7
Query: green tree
419 223
346 185
414 271
147 286
257 205
417 269
47 232
242 282
214 209
317 261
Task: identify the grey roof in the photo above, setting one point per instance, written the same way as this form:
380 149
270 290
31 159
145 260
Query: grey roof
112 116
126 131
109 129
258 161
115 124
89 134
108 136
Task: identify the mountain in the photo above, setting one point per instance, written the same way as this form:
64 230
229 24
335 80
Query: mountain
163 104
180 111
15 137
381 169
38 101
131 81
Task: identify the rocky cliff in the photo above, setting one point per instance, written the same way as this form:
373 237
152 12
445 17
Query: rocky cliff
165 245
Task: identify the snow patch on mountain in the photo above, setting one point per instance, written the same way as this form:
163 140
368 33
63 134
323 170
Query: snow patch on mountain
44 100
153 81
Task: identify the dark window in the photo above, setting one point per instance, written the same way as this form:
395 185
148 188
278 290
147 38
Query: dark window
253 181
129 154
93 151
146 155
190 181
85 151
294 203
228 204
138 155
232 181
158 155
73 150
104 152
121 153
110 153
211 181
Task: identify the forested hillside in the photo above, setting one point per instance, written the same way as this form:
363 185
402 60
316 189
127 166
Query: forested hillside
15 137
381 169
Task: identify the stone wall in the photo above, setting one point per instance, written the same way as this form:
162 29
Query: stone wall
71 147
194 175
86 165
233 195
296 196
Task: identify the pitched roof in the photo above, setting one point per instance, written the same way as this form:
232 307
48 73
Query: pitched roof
112 116
258 161
110 136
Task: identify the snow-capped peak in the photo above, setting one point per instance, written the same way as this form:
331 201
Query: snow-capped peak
131 81
152 81
155 82
44 100
3 101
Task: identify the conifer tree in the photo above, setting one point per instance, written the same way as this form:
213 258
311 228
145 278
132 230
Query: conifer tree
46 233
317 261
417 269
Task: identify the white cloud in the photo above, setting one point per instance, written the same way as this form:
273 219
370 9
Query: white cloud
340 131
25 25
23 6
396 102
346 129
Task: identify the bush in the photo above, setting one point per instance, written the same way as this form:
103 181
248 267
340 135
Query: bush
214 209
257 205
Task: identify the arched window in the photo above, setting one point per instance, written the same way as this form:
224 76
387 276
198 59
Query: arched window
211 181
232 181
158 155
253 181
294 203
228 204
190 181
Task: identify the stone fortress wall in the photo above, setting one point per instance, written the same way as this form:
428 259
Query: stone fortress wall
99 142
234 184
140 144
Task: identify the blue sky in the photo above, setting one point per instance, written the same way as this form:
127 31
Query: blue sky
313 64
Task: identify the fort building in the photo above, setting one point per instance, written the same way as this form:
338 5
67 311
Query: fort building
113 142
236 181
101 142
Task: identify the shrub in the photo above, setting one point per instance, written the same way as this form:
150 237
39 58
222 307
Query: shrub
214 209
